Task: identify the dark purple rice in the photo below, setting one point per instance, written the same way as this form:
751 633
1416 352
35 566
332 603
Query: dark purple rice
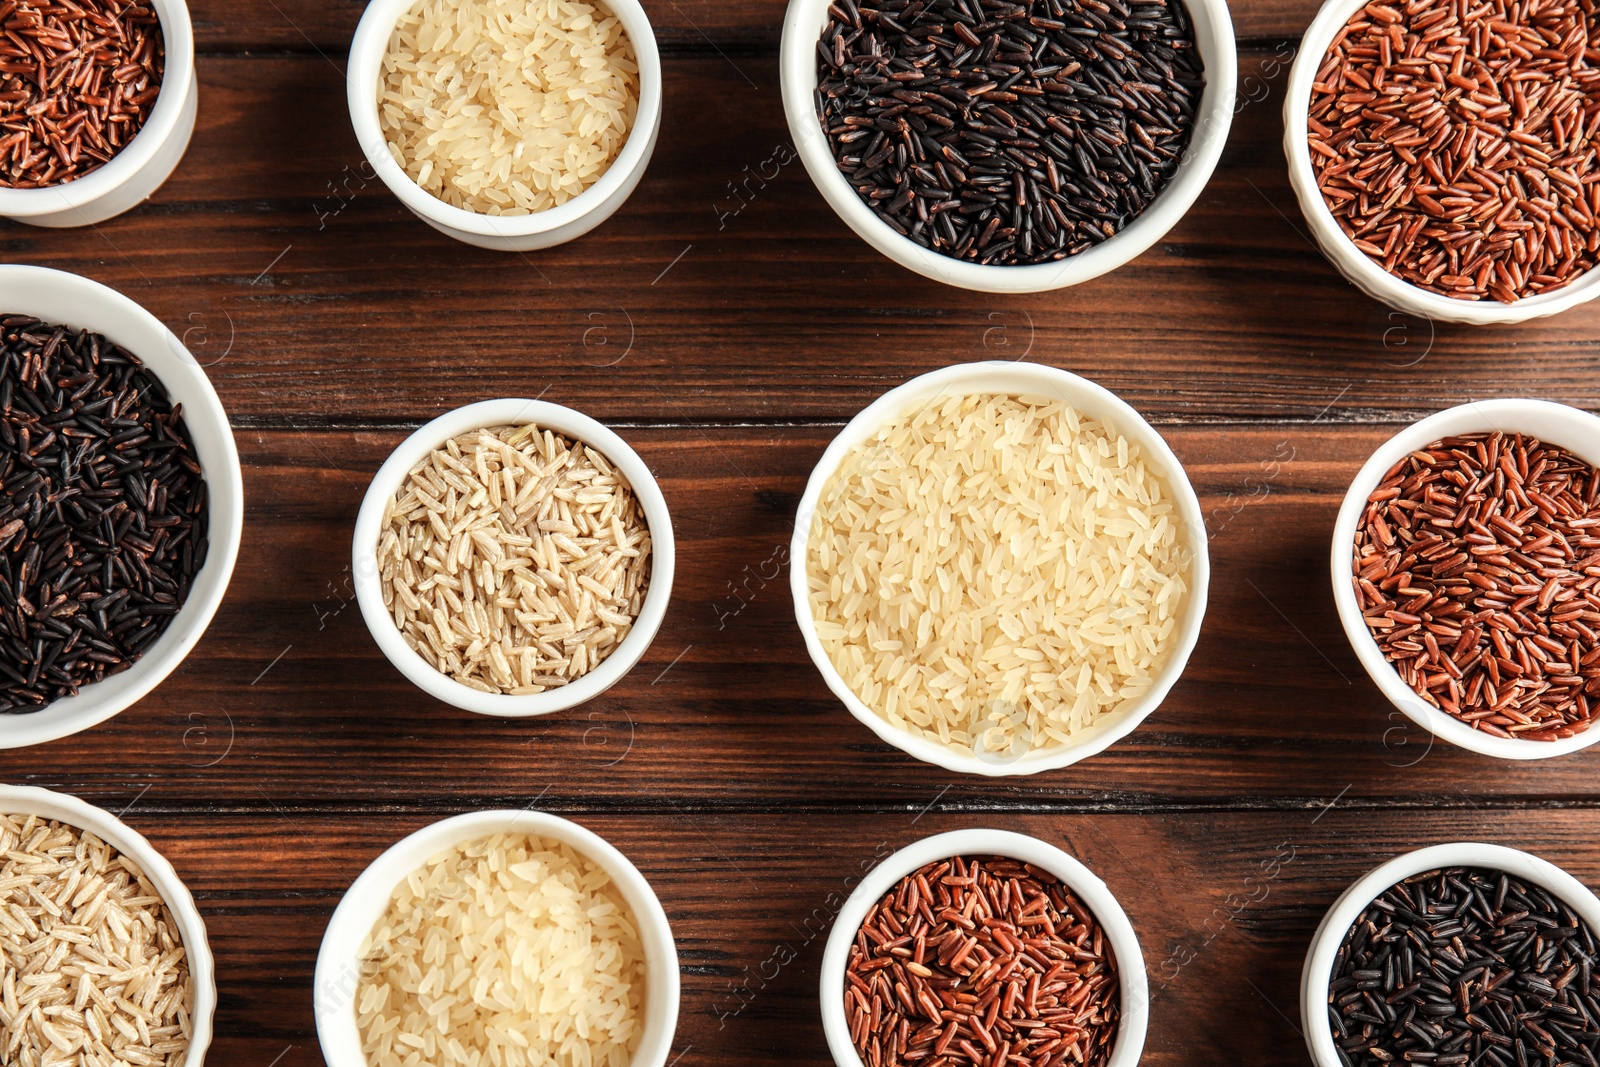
1008 133
1466 965
103 515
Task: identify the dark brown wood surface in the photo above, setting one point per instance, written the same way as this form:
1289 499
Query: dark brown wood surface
728 337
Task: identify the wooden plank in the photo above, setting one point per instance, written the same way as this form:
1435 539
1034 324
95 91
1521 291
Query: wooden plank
737 27
309 312
287 692
1224 906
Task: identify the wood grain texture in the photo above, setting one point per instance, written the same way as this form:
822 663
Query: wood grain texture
1274 709
316 299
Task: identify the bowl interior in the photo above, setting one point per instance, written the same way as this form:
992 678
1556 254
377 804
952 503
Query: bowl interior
367 50
1318 967
338 970
24 800
1132 979
1351 260
1577 431
1213 28
70 300
507 412
1089 399
177 34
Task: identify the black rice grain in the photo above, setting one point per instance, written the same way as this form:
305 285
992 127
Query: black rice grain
1008 133
102 511
1466 966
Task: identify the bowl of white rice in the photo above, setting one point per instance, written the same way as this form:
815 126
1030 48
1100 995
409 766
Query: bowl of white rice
509 937
999 568
507 124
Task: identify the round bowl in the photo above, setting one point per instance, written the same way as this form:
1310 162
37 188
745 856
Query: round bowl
26 800
145 162
1576 431
1330 934
70 300
576 426
1213 28
1350 261
1033 379
506 233
338 973
1132 980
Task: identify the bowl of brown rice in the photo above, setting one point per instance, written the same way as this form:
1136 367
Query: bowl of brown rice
999 568
510 937
503 124
514 558
103 952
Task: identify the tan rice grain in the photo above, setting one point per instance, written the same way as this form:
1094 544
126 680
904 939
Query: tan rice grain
996 571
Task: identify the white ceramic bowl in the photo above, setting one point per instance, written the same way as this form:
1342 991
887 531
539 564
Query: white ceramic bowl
1336 923
339 962
575 426
70 300
145 162
1034 379
507 233
1357 267
1133 983
1213 28
25 800
1576 431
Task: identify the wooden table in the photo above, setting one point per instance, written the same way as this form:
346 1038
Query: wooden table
728 337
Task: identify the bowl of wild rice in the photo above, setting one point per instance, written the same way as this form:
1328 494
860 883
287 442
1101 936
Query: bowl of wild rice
1009 148
1447 167
508 937
935 923
1456 953
514 558
103 954
504 124
1466 572
999 568
78 150
121 504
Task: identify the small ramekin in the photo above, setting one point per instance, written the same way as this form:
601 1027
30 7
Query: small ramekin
1576 431
1133 984
1357 267
26 800
1213 28
338 972
1314 976
145 162
70 300
1006 378
506 233
573 425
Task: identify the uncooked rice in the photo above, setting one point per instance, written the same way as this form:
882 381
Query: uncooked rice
92 967
503 952
507 107
514 560
996 571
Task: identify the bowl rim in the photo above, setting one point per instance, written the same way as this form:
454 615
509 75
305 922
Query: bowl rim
573 425
1133 981
1349 259
364 903
1214 117
1043 380
177 79
371 43
1318 966
1559 424
175 367
80 814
